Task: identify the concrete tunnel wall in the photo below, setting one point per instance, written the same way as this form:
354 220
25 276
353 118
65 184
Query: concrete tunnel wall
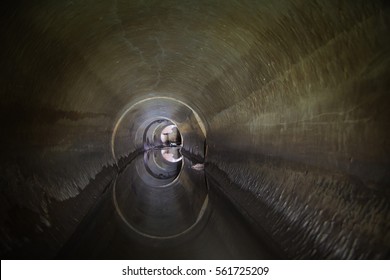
293 95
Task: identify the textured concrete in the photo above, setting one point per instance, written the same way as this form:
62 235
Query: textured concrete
285 101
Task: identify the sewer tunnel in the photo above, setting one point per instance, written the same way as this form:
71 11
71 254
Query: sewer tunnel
195 129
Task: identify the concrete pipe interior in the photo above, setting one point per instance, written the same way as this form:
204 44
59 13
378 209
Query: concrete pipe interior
195 129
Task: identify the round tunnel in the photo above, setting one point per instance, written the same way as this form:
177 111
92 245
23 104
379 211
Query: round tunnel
195 129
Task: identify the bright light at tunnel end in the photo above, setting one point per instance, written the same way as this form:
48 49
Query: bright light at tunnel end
132 106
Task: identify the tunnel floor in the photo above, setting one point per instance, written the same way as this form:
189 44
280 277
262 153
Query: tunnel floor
222 233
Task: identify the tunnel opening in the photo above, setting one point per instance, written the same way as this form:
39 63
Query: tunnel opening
162 154
170 136
172 141
167 138
162 133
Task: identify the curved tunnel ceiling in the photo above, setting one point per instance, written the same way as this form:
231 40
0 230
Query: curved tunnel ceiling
282 107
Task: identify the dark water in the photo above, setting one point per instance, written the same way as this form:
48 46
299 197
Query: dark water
188 219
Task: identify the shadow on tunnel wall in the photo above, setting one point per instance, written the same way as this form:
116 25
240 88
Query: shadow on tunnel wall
282 105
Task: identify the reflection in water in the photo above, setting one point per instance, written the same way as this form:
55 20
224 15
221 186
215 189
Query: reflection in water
171 154
156 166
163 198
